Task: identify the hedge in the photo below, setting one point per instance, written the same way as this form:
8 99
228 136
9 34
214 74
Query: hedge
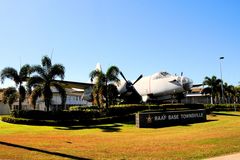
78 113
95 115
104 120
134 108
58 115
222 107
14 120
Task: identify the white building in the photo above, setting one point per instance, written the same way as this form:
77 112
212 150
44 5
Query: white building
196 96
74 98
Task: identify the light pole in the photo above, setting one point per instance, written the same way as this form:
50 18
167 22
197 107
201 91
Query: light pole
222 97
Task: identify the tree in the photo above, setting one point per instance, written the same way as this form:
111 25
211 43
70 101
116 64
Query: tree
103 84
237 94
18 78
10 95
214 84
112 94
44 79
229 93
98 88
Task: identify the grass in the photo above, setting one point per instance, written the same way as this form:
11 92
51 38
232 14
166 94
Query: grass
219 136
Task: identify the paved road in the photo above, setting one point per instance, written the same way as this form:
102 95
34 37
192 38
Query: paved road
235 156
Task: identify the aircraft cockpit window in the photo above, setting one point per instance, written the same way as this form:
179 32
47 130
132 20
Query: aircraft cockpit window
165 74
160 75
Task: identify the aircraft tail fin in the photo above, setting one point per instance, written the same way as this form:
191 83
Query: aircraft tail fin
98 67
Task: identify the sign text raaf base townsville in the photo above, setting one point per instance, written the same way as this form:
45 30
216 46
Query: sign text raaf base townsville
169 118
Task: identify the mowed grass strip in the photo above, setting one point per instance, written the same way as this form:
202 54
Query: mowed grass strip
218 136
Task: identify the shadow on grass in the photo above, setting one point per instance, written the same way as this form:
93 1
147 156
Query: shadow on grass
43 151
224 114
105 128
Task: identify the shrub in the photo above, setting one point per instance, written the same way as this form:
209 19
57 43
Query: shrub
113 119
55 115
125 109
83 108
14 120
222 107
31 114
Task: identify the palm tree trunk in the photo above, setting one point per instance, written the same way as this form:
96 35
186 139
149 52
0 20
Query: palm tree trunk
20 98
19 104
106 95
47 104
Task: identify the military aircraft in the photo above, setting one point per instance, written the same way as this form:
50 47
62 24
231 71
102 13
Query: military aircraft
154 88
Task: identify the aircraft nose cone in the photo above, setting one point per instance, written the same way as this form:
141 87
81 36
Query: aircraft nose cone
187 83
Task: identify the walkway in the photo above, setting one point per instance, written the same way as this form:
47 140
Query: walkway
235 156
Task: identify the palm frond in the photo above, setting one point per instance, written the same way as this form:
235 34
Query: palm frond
9 90
10 73
113 70
39 70
112 74
37 92
34 80
94 74
24 72
213 81
46 62
9 96
12 99
57 70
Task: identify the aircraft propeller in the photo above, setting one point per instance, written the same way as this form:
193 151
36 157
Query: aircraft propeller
130 95
129 84
138 79
123 76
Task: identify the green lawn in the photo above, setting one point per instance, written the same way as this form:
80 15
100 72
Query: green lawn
220 135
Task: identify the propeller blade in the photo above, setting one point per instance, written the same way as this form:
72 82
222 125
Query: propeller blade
138 79
123 77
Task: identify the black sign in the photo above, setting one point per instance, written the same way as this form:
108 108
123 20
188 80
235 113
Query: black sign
168 118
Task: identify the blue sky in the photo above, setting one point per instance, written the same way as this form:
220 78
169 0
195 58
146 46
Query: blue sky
138 36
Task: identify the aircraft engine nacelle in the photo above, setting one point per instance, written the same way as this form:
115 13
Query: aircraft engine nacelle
187 83
122 88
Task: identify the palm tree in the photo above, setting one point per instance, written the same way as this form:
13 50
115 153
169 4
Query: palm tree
103 83
18 78
98 88
213 84
44 79
10 95
230 92
237 94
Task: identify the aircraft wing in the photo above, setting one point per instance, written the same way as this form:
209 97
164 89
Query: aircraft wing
71 84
